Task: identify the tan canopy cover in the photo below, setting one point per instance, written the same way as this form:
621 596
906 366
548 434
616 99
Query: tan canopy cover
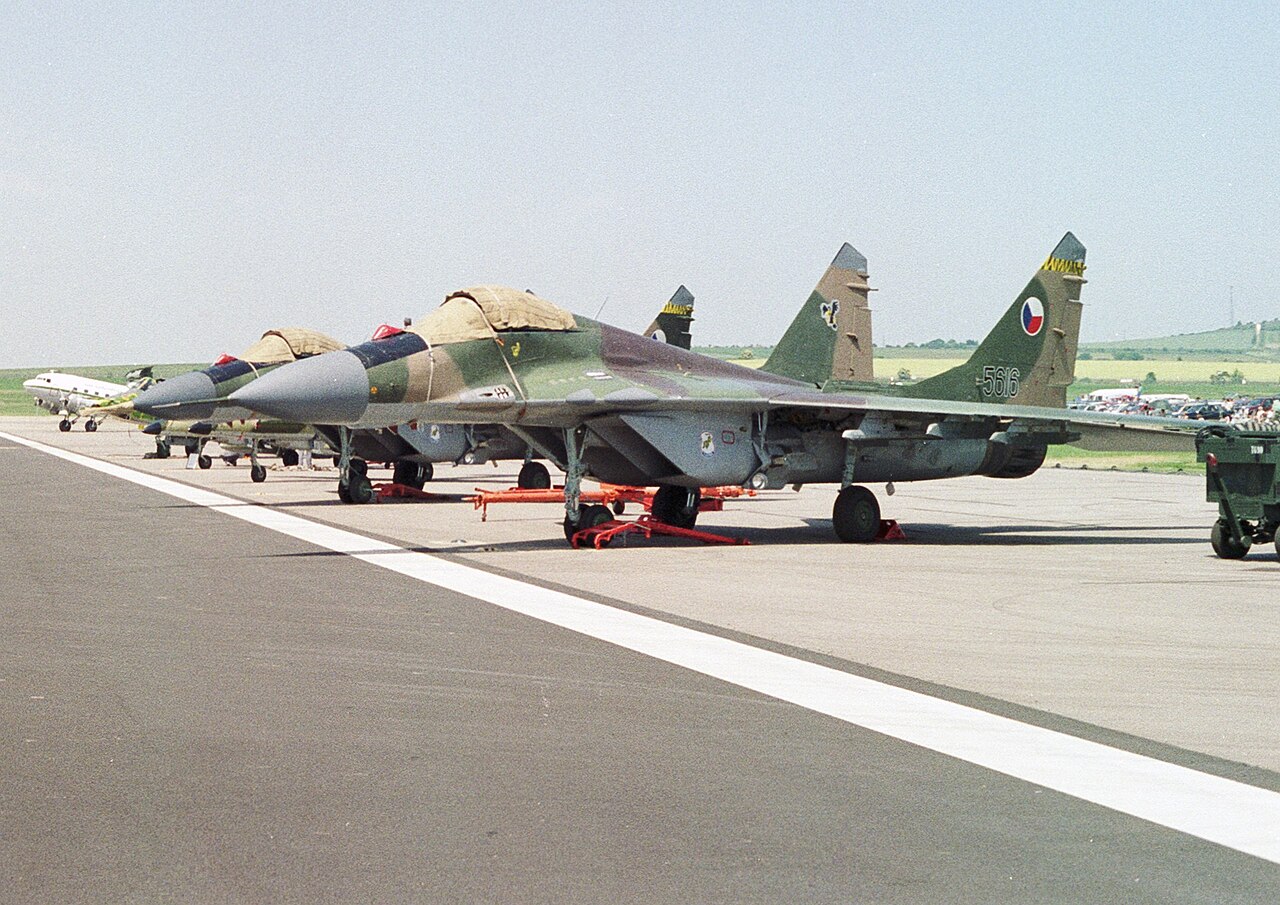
290 344
479 312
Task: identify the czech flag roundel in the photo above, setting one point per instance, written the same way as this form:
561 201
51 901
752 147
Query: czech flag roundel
1032 316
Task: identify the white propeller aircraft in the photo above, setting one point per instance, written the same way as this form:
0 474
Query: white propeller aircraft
66 394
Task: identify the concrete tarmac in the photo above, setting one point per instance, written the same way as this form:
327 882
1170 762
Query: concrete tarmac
200 710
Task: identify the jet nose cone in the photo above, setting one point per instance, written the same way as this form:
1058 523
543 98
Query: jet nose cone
185 397
328 389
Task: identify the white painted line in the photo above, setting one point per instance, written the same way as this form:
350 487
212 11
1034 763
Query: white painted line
1233 814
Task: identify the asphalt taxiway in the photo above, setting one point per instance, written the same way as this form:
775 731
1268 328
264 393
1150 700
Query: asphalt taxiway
203 709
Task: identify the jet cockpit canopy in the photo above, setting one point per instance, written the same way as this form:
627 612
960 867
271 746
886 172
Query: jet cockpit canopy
290 344
482 311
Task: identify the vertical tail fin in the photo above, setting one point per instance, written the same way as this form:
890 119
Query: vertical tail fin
1029 358
672 325
830 339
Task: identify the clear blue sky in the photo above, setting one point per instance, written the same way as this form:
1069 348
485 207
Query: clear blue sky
176 178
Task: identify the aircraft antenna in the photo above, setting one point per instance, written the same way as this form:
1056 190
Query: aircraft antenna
601 308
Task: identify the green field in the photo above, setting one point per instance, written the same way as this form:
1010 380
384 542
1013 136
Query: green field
15 401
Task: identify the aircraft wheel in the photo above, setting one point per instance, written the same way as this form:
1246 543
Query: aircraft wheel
428 472
288 457
231 460
204 461
64 425
588 517
534 476
90 426
411 474
258 474
619 507
359 466
344 492
676 506
191 448
856 515
359 489
1225 545
162 449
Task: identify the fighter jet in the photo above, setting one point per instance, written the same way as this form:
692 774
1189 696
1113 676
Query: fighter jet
68 395
601 402
605 403
412 448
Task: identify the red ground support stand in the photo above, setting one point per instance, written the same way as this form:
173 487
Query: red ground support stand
890 530
608 495
388 491
601 535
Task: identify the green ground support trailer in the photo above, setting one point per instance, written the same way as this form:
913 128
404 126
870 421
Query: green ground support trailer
1240 476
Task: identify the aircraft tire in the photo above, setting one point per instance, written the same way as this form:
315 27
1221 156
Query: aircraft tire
359 466
411 474
64 425
1225 545
344 492
588 517
856 515
288 457
90 426
360 490
258 474
534 476
204 461
676 506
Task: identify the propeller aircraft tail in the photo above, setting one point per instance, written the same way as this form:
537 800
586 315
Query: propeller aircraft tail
830 339
1029 358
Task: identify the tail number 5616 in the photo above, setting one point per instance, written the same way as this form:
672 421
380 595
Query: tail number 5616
999 382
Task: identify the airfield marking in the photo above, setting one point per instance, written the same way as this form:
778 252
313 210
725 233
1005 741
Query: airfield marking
1229 813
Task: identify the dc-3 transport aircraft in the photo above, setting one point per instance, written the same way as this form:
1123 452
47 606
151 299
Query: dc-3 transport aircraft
67 395
605 403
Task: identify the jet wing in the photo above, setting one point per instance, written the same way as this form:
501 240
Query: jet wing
1102 430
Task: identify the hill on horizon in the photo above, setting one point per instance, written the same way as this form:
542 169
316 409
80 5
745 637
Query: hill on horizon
1259 338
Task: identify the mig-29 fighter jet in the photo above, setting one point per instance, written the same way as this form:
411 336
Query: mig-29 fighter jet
412 447
605 403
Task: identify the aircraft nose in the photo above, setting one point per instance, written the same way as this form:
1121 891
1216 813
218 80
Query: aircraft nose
185 397
328 389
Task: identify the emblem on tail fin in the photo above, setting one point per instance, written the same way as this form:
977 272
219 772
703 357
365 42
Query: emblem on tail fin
1032 316
829 311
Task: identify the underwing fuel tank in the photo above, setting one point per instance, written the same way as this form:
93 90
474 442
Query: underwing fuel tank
803 457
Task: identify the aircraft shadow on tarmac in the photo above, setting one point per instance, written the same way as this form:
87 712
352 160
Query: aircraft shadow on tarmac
939 535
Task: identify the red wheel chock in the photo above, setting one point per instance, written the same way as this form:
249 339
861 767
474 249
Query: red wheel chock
890 530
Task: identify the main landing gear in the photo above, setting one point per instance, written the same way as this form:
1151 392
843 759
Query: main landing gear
412 474
64 425
534 476
90 426
855 515
676 506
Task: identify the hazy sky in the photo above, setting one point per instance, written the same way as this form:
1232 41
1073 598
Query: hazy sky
175 179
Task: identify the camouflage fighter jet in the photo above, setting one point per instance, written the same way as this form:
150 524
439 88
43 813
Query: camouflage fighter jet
605 403
413 448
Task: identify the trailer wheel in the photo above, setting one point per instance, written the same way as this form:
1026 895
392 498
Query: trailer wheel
1225 545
